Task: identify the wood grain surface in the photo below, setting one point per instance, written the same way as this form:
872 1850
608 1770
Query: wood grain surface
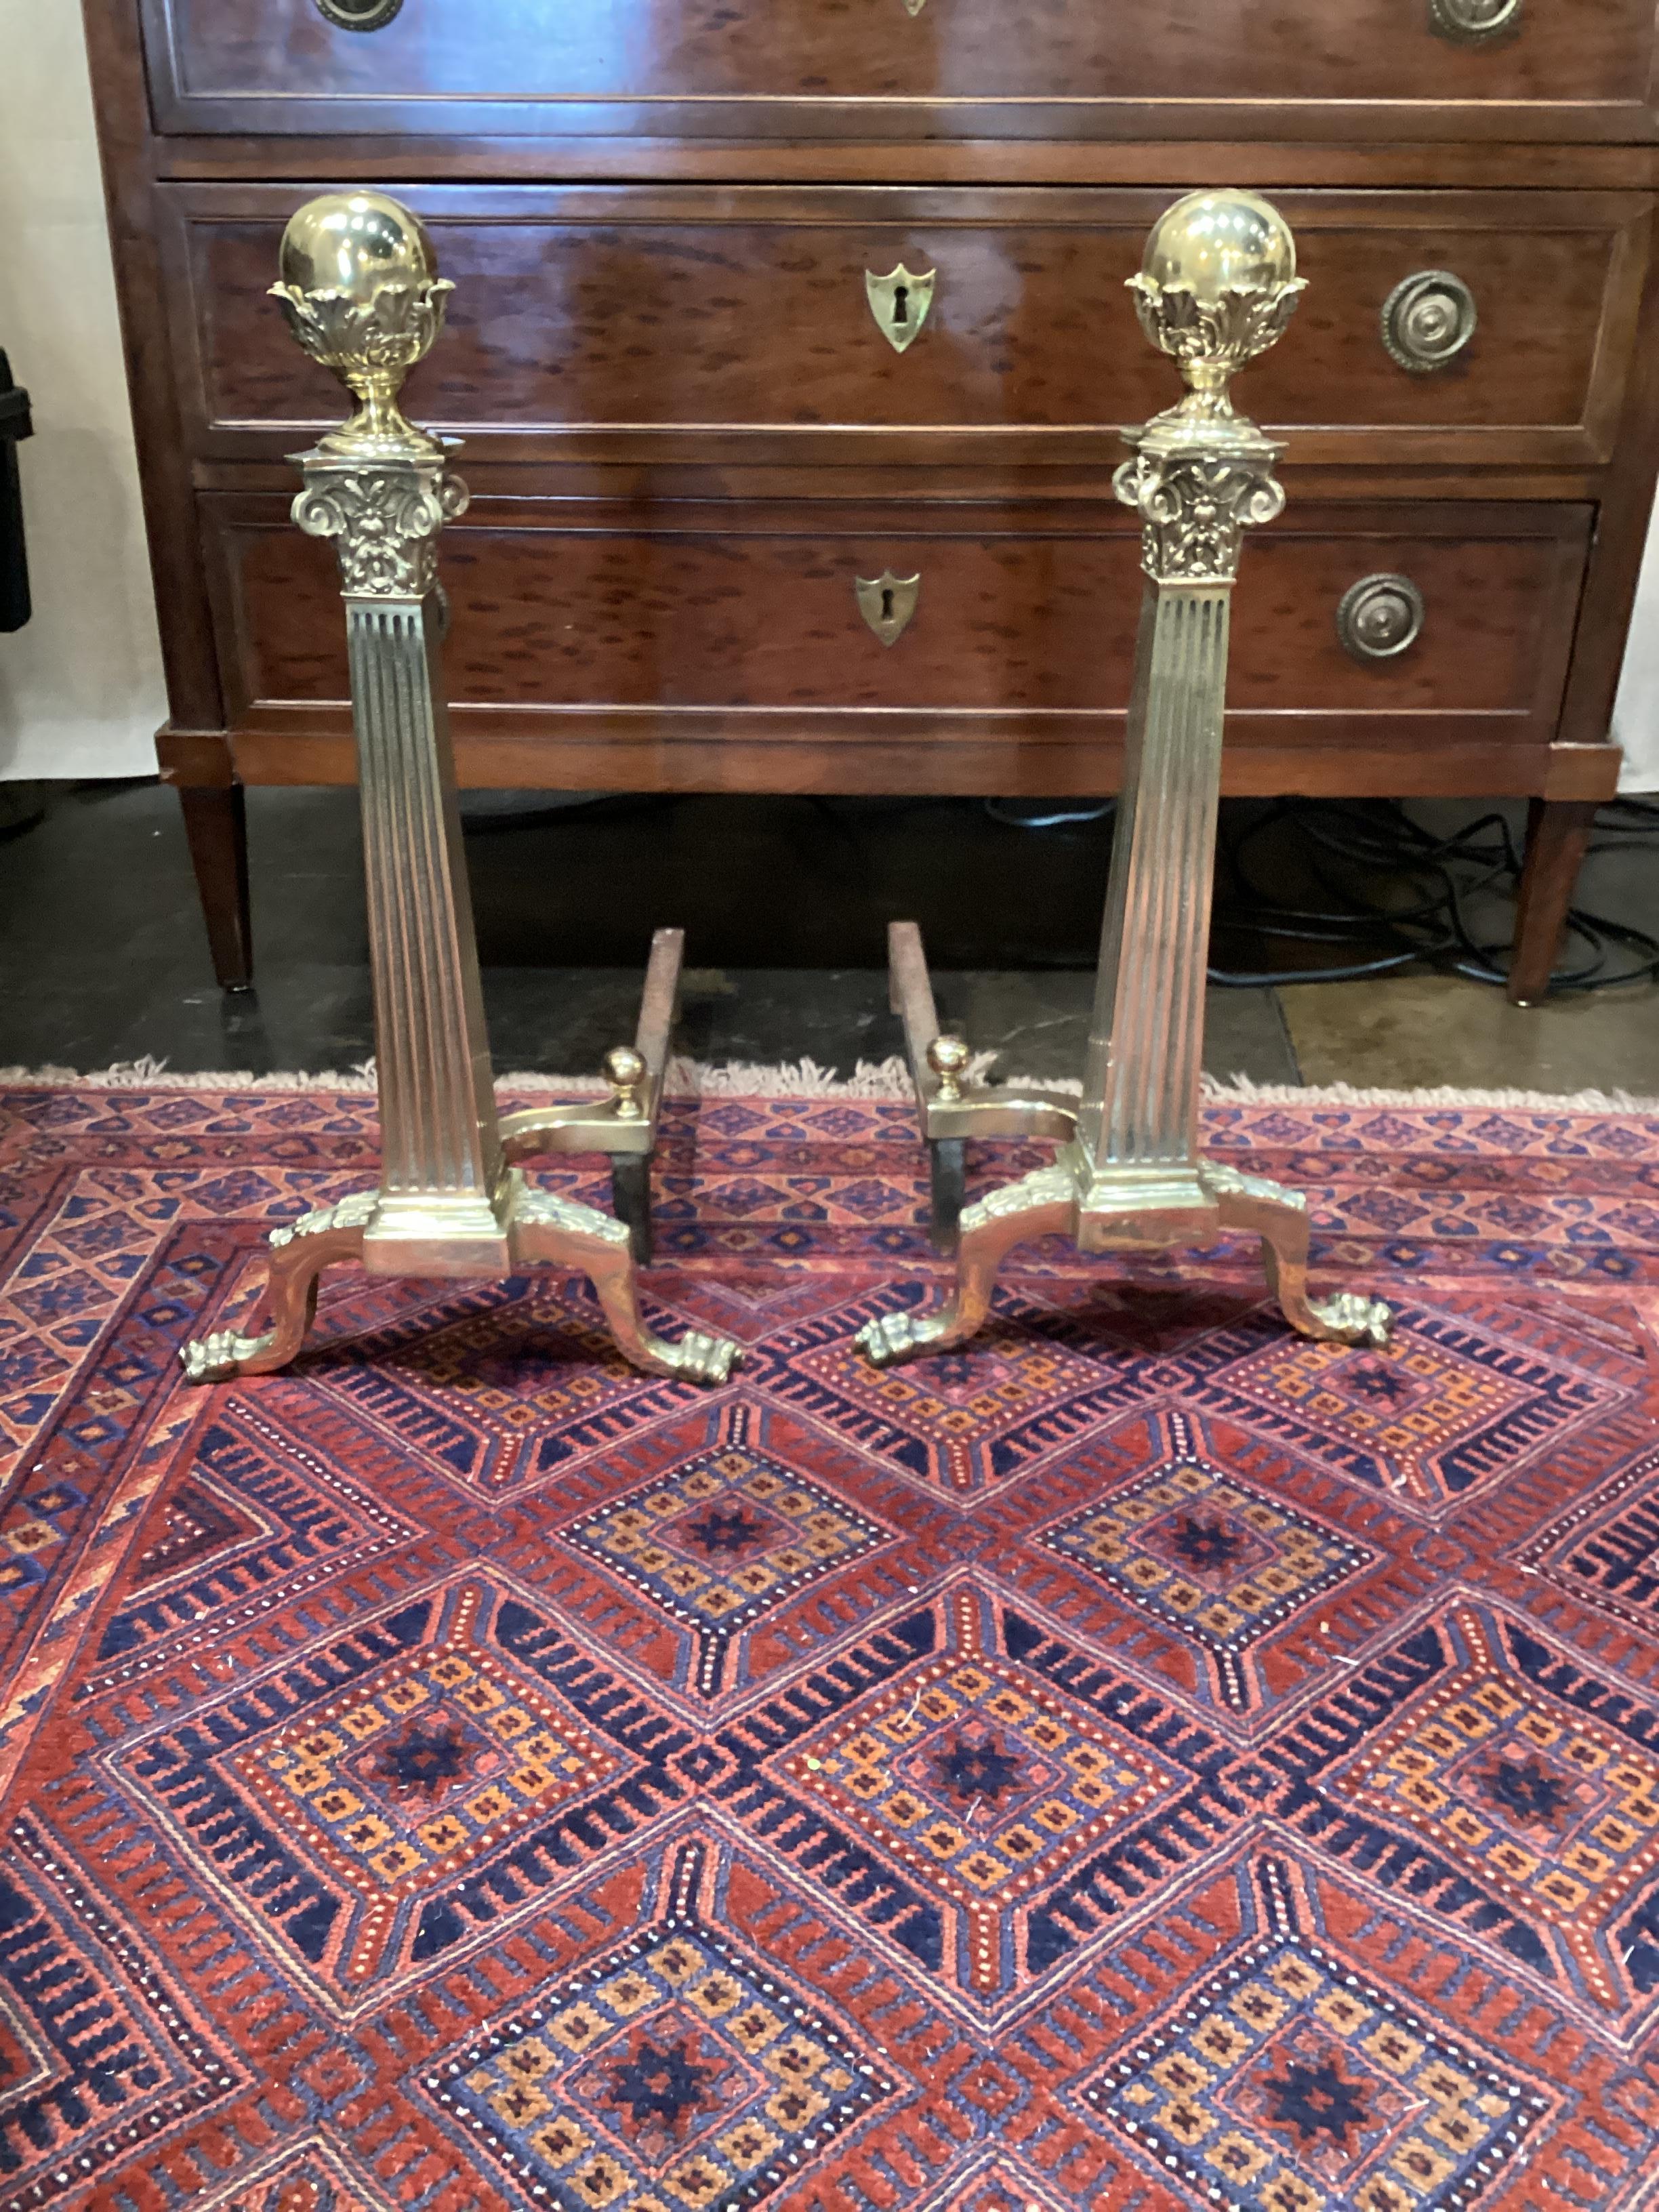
1576 68
692 322
558 615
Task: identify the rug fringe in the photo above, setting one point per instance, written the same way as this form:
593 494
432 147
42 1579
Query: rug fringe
804 1079
1239 1089
685 1079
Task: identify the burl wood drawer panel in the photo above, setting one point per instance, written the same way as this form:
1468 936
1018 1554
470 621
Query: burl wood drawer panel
1567 69
702 322
708 621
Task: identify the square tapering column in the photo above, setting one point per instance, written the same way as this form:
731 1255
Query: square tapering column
360 292
442 1203
1217 288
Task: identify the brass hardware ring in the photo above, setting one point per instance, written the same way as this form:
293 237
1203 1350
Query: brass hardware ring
1380 617
1475 22
1428 320
358 14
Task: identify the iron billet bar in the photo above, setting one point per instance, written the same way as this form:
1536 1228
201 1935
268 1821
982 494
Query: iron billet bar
951 1105
953 1108
626 1122
1218 287
361 295
659 1005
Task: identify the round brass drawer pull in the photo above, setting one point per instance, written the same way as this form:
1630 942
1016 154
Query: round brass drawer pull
1428 320
1475 22
1380 616
358 14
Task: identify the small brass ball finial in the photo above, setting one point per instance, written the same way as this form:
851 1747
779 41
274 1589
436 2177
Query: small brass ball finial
361 293
625 1072
1216 286
948 1057
353 243
1213 243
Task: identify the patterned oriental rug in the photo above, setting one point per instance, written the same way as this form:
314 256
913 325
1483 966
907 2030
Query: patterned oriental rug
1145 1761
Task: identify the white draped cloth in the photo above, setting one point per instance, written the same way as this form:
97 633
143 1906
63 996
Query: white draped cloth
1636 712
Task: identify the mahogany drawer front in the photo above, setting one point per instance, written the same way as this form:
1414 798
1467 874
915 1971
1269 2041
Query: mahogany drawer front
708 322
1571 68
709 619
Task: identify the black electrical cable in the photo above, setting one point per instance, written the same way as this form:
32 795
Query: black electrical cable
1417 915
1058 817
1438 876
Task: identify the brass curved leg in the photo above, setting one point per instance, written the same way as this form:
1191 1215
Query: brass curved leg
1036 1206
298 1256
1280 1218
559 1231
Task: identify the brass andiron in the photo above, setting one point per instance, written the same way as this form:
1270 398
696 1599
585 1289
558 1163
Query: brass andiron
1217 287
360 292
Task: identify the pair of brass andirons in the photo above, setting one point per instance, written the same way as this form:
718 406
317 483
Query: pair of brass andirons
361 295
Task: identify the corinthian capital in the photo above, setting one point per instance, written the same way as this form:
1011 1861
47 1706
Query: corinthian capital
1195 507
383 521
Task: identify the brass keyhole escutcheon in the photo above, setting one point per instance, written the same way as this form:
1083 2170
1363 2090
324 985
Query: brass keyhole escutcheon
900 301
887 603
358 14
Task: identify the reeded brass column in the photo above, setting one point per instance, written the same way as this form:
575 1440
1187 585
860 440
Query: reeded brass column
361 295
1217 287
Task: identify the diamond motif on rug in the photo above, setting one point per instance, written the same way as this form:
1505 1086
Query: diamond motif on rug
421 1767
401 1789
977 1790
313 2178
727 1536
980 1782
1289 2085
1518 1798
676 2076
1559 1813
1218 1561
963 1420
1443 1408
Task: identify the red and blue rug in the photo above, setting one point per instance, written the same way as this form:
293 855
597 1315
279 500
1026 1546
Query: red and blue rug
1144 1761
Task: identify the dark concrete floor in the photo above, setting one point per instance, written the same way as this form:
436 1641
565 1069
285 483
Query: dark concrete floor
784 902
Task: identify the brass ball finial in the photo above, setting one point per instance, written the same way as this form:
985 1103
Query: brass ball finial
361 291
354 243
625 1072
1216 287
948 1057
1211 243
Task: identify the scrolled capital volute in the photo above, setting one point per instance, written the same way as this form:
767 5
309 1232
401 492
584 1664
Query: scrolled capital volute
361 292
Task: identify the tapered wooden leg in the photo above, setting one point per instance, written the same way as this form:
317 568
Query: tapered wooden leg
1557 835
1038 1205
215 828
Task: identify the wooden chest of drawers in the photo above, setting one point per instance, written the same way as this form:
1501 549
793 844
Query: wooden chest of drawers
694 420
